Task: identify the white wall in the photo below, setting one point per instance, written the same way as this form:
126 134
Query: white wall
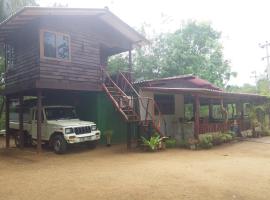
174 127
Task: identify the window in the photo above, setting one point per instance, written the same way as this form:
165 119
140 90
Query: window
55 45
189 112
10 55
42 115
60 113
165 104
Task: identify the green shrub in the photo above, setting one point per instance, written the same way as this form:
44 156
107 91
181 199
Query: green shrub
206 141
183 144
153 143
267 132
217 139
226 137
170 143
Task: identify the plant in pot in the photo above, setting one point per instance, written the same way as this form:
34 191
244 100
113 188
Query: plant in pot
108 135
193 143
153 143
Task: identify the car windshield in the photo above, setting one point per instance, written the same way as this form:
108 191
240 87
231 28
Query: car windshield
59 113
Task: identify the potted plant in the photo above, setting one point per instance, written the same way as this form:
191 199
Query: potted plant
108 135
152 144
193 143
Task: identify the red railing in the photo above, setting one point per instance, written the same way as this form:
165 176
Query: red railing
106 78
149 115
208 127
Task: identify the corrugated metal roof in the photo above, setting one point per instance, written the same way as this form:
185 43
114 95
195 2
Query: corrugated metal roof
165 79
194 80
27 14
205 92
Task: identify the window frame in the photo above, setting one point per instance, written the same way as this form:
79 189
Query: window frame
170 111
42 46
10 56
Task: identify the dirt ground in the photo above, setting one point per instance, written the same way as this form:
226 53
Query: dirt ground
233 171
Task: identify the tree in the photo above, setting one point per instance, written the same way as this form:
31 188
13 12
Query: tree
262 87
7 7
195 48
246 88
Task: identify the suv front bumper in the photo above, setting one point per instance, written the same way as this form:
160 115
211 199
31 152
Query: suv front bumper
73 138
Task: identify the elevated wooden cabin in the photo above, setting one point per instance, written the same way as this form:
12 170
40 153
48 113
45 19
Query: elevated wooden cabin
61 48
51 50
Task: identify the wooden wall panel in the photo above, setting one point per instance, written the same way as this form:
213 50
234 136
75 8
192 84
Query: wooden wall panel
90 41
25 69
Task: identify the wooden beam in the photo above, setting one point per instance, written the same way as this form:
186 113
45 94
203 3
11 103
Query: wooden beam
21 121
39 118
7 123
197 117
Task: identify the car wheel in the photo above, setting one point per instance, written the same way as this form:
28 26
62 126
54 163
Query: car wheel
59 144
92 144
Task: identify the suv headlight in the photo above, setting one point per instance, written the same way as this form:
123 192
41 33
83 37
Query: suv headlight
93 128
69 130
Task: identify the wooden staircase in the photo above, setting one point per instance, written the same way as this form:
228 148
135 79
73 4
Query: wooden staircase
128 105
120 100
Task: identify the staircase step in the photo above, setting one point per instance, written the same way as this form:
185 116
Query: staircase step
117 92
132 116
128 110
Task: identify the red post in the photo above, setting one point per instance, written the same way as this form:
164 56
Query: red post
210 110
197 117
39 118
7 123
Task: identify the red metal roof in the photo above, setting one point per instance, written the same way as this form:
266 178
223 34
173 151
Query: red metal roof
205 92
201 83
179 82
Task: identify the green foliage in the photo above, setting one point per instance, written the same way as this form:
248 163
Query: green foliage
226 137
209 140
195 48
170 143
7 7
266 133
246 88
153 143
206 141
118 63
183 144
261 87
217 139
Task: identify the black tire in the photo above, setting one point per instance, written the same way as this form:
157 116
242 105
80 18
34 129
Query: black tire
92 144
59 144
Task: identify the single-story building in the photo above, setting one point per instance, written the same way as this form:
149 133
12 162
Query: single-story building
191 106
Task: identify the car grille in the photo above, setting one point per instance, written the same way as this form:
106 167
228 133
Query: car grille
82 130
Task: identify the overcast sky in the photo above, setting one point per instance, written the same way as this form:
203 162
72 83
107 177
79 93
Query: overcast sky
243 23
